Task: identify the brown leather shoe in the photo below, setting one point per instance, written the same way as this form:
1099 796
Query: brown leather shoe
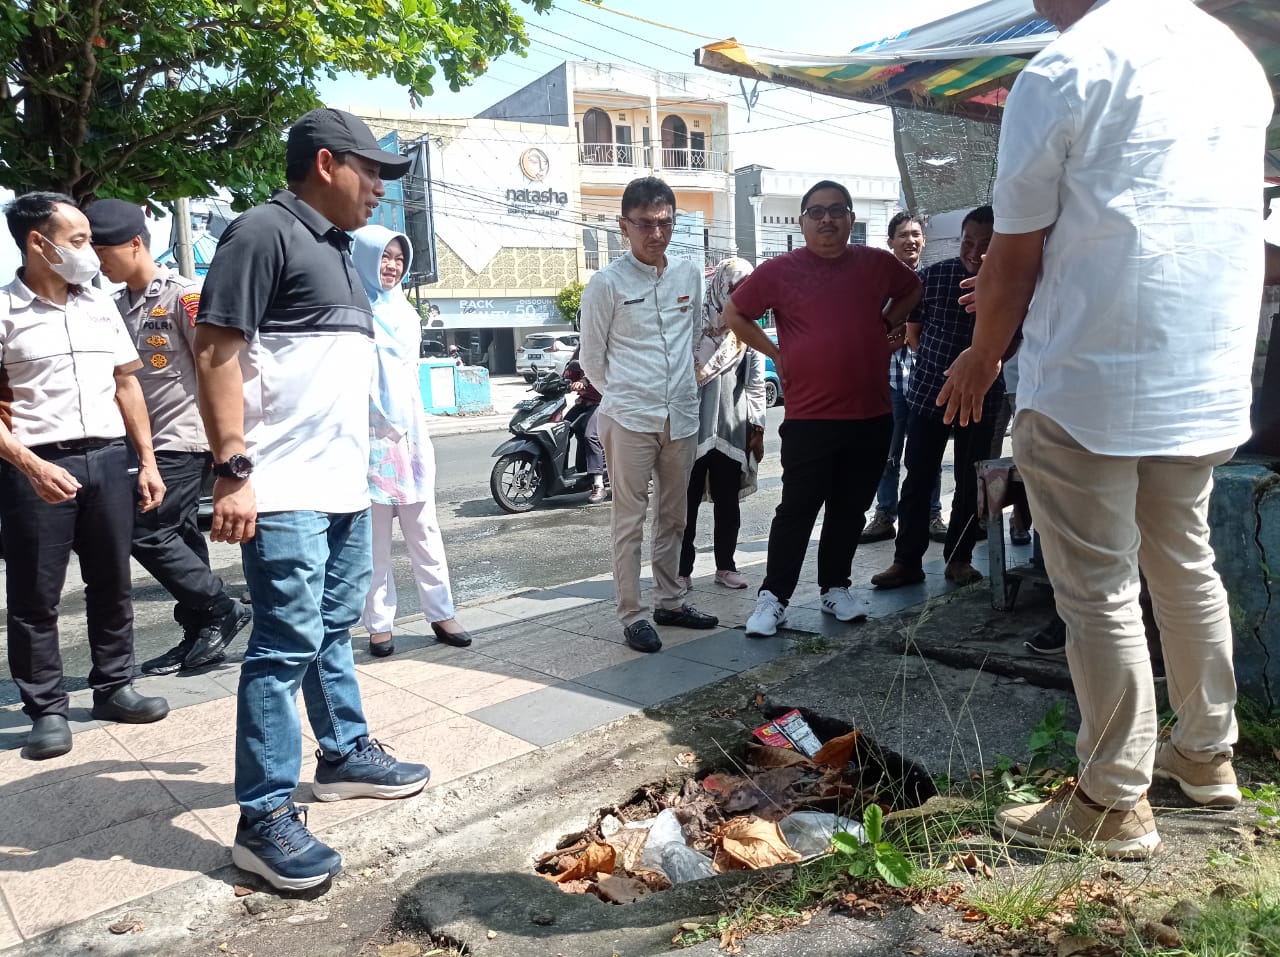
962 573
897 575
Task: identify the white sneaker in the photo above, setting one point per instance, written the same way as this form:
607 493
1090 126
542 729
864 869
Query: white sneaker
838 602
769 614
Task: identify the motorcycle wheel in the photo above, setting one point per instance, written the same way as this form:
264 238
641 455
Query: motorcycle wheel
517 482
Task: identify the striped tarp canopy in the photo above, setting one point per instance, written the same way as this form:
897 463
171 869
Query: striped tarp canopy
965 64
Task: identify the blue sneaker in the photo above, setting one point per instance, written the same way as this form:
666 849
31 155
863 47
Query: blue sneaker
368 771
281 850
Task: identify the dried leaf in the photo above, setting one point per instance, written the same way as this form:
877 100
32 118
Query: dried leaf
403 948
767 756
597 857
970 862
837 752
1162 934
749 843
617 889
686 759
241 891
577 887
126 927
655 880
690 925
629 845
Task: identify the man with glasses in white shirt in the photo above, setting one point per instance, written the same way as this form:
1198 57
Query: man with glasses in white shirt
638 317
1127 235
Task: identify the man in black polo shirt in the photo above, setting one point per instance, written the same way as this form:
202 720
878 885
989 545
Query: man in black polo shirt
941 329
284 355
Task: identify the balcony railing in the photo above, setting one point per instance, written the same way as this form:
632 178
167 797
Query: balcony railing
633 157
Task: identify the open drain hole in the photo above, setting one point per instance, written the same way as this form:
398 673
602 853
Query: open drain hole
780 802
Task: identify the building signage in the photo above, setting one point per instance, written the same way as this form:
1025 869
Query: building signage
492 312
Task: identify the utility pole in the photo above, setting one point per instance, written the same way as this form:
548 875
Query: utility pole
183 250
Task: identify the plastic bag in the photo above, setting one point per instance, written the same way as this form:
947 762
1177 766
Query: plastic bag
809 832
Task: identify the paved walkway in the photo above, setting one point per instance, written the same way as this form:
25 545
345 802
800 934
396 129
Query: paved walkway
135 809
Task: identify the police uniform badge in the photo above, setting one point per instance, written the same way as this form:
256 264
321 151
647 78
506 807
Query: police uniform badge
159 311
159 361
155 342
190 303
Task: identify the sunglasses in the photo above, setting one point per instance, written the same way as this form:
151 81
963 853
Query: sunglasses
835 211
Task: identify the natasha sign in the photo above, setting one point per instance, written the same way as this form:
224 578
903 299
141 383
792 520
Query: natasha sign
506 186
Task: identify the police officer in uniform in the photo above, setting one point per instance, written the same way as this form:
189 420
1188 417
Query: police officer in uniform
159 306
70 398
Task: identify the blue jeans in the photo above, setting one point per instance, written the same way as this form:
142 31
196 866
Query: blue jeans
887 493
308 574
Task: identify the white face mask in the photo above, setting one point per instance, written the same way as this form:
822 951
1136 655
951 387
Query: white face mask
78 266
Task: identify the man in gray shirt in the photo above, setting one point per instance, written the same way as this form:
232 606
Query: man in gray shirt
159 306
638 317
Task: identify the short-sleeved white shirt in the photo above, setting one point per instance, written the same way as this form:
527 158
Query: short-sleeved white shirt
58 363
1140 338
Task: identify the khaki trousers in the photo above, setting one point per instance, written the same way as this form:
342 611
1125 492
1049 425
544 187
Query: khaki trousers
1099 516
632 457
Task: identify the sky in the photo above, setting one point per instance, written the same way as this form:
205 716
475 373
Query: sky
853 137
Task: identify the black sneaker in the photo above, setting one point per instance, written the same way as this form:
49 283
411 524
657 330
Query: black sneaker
1049 640
281 850
686 616
172 660
641 636
368 771
215 635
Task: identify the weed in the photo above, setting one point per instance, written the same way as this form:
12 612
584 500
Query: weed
1267 797
1018 898
877 856
1051 744
812 645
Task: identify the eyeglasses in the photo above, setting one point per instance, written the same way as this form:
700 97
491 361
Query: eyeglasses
835 211
662 225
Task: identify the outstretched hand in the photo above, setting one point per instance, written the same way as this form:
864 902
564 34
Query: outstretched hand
968 380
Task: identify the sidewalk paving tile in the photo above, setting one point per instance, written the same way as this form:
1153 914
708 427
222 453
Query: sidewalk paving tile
552 714
184 690
459 746
90 753
536 603
400 710
653 678
560 654
596 589
413 667
191 775
733 650
115 792
183 728
155 851
466 689
9 935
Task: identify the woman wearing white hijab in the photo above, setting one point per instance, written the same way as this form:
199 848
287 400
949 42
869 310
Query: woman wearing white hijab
730 430
402 466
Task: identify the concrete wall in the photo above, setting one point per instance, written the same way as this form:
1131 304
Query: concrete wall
545 100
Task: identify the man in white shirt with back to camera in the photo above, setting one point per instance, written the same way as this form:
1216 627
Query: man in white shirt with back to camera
1126 203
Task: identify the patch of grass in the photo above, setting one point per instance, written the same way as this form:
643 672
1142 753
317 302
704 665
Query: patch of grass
1259 731
1230 925
812 645
1021 897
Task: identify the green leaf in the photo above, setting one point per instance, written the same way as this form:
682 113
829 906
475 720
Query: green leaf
892 866
860 867
846 843
873 822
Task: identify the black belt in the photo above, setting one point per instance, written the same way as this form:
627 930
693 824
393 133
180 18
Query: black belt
75 445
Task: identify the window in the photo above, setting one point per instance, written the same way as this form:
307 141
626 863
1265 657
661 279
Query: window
625 153
675 143
858 234
698 150
597 138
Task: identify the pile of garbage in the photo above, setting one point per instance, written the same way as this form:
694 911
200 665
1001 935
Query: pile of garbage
804 778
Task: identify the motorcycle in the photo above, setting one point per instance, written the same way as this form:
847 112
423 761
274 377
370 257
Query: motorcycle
535 463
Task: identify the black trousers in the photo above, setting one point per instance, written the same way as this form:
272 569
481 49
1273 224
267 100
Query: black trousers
168 543
583 420
926 444
836 464
38 540
720 475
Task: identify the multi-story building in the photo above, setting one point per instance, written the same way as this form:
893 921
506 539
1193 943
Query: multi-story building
506 208
627 122
768 208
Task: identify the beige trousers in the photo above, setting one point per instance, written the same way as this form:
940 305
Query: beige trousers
1099 516
631 458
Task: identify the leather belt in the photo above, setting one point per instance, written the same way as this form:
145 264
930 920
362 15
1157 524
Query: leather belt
75 445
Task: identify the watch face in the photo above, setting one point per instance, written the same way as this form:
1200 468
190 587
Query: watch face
237 467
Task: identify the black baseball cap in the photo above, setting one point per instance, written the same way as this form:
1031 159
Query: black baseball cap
340 132
114 222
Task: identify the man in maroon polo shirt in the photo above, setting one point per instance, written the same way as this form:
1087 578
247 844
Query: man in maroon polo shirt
840 312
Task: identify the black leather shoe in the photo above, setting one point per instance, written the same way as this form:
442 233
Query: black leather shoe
641 637
382 649
50 737
215 635
686 616
126 706
459 639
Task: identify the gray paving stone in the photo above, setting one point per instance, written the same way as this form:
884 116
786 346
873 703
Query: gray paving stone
733 650
552 714
653 678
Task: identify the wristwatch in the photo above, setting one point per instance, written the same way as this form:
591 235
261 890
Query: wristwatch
236 467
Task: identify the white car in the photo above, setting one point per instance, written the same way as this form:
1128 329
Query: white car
546 350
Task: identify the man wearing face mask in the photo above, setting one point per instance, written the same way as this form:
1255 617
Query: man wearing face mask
66 369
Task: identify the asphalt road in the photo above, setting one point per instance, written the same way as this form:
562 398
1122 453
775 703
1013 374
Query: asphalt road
489 551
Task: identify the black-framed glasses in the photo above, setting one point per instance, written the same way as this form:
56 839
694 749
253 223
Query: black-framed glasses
835 211
661 225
